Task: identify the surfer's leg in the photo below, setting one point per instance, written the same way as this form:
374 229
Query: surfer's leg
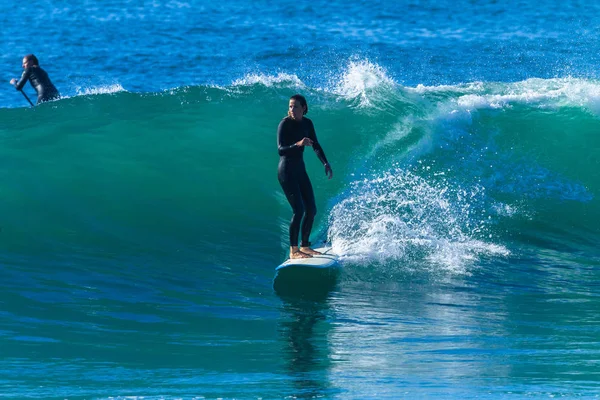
289 183
295 200
308 198
294 197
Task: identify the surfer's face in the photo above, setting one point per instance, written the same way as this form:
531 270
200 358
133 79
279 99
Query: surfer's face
295 110
26 63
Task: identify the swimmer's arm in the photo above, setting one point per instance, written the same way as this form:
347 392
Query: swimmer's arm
19 85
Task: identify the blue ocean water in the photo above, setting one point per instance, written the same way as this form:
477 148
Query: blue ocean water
141 218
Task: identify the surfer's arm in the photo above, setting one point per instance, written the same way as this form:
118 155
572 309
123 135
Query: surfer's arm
284 149
319 150
316 145
21 82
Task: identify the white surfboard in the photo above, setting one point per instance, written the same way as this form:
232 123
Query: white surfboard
310 278
321 261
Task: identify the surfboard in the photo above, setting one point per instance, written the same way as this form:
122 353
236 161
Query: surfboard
308 277
325 260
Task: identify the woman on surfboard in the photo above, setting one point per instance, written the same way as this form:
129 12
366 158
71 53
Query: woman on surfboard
38 78
293 134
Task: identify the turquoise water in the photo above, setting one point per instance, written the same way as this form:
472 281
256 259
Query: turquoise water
141 219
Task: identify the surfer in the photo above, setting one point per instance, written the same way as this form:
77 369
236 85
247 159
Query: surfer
38 78
293 134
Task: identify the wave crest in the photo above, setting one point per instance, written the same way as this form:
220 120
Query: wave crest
401 217
107 89
365 83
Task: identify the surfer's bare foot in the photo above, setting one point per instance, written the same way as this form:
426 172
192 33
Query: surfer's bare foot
299 254
308 250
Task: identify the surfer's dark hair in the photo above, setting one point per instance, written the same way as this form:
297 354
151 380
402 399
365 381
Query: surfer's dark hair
33 59
302 100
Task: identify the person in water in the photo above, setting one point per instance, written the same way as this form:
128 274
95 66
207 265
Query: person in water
38 78
294 133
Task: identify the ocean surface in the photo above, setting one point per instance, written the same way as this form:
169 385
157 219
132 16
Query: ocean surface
141 219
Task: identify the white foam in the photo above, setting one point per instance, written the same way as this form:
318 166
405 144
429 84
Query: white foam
115 88
363 81
269 80
536 92
542 93
472 87
400 217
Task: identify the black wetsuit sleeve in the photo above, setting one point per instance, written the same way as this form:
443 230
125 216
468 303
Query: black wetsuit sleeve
24 77
316 146
283 147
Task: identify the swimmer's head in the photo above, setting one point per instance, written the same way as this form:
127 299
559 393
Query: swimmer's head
298 107
30 60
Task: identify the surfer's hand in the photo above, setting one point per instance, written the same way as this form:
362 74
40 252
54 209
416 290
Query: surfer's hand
13 81
304 142
328 171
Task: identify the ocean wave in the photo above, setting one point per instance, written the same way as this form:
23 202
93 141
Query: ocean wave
402 217
106 89
269 80
364 83
417 177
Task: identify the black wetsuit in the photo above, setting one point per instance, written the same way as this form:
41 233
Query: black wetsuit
40 82
293 177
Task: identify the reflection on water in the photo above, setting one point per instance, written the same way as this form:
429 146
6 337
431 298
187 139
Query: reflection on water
305 330
316 284
522 329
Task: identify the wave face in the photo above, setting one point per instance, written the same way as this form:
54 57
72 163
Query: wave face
448 173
